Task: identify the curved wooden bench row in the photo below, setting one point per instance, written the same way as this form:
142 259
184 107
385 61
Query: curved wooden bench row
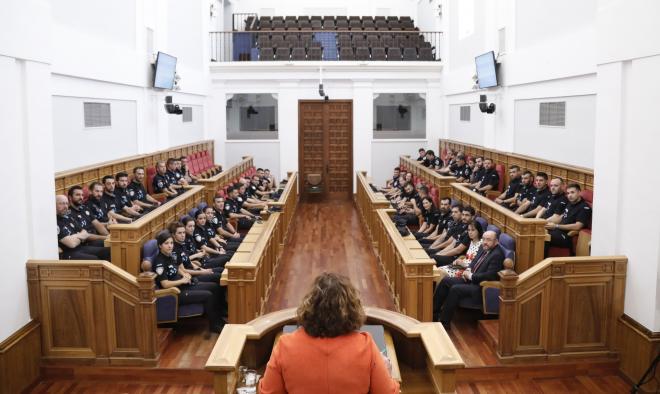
571 174
126 240
288 202
217 182
418 346
95 172
441 182
367 202
562 307
407 268
93 312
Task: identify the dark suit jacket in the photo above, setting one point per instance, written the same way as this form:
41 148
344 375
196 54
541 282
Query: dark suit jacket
489 268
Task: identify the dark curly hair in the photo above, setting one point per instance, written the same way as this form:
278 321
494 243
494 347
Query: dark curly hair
331 308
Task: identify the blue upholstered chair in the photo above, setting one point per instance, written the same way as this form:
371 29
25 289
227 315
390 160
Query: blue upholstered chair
492 227
167 300
483 222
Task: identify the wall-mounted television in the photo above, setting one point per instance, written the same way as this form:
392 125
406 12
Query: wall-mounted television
165 70
486 73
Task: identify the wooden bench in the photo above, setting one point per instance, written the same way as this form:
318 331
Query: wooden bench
367 202
217 182
287 203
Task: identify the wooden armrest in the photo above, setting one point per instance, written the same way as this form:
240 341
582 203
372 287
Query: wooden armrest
167 292
159 196
224 278
573 233
491 283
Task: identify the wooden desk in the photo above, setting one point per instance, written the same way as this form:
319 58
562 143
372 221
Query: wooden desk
218 181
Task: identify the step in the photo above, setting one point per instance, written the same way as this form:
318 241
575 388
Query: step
165 336
490 331
132 374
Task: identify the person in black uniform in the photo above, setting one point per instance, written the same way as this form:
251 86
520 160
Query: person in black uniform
489 180
138 193
390 182
422 154
525 191
576 216
161 184
72 238
171 274
450 159
556 203
190 178
444 217
530 207
214 230
124 196
174 177
431 217
98 233
196 254
460 169
458 243
113 205
477 171
96 206
203 241
509 194
432 161
406 207
226 230
453 227
233 209
194 268
484 266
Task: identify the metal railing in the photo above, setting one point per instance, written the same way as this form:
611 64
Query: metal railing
326 45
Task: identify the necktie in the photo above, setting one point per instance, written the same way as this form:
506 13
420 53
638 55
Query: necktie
481 260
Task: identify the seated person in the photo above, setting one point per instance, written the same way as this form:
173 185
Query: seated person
115 205
477 170
256 191
422 154
328 353
272 182
453 227
397 187
225 229
171 274
460 169
556 203
392 182
456 245
123 195
509 194
450 161
576 216
489 180
98 233
202 240
456 268
253 205
531 206
405 209
432 161
484 267
443 219
185 171
161 183
430 218
233 209
407 178
72 238
174 177
138 193
524 193
212 224
188 258
95 205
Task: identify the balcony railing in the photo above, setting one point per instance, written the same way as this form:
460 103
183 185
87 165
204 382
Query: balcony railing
337 45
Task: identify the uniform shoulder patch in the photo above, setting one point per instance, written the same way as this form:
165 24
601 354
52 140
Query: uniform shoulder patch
227 206
198 237
160 270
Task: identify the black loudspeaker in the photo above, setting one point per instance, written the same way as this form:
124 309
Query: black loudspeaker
173 109
484 106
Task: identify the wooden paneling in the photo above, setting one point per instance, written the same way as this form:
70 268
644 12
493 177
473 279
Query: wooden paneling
562 307
637 347
423 347
215 183
20 355
571 174
85 175
440 182
288 202
325 144
126 240
368 202
93 312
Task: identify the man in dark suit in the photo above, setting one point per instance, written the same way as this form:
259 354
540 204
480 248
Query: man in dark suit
485 266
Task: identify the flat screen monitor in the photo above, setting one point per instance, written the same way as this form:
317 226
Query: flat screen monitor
486 70
165 70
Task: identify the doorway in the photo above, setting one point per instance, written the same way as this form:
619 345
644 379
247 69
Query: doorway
325 148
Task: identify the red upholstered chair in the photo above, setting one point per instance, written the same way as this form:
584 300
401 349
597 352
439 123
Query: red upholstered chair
492 194
443 154
434 196
151 173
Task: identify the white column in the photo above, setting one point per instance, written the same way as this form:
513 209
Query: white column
216 119
363 119
435 114
287 116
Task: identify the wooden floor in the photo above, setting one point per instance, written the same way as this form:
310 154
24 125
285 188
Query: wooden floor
328 237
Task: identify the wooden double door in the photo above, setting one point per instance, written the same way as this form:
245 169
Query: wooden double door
325 143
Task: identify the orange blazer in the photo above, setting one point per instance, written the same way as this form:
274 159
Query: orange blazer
351 363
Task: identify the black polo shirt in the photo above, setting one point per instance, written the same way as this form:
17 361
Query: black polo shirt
200 236
251 191
463 171
395 181
432 217
160 182
540 198
463 238
525 192
434 163
490 177
577 212
84 217
220 218
444 220
67 225
96 207
231 206
476 175
240 200
136 191
189 244
172 177
455 229
555 205
513 188
210 230
111 202
123 197
165 267
181 254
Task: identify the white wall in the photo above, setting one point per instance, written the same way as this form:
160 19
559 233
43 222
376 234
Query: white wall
181 132
323 7
385 156
471 131
266 155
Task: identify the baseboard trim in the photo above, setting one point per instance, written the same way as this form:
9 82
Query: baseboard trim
20 358
638 347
